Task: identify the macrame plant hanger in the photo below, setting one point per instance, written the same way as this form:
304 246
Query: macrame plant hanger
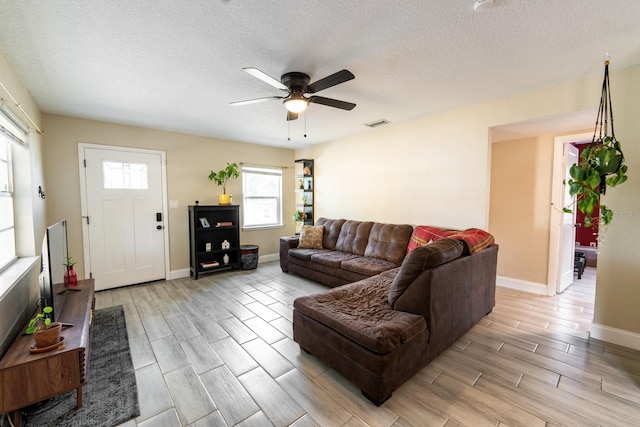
605 116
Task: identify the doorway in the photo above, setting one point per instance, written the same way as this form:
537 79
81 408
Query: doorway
123 200
562 231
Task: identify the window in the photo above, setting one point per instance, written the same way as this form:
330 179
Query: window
125 176
262 197
10 132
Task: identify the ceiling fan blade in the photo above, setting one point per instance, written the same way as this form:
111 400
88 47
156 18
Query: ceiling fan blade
332 80
256 100
332 102
265 78
291 116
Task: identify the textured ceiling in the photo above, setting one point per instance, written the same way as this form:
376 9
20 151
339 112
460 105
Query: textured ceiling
176 65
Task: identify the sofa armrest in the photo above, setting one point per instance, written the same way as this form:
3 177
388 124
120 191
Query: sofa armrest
287 243
453 296
421 259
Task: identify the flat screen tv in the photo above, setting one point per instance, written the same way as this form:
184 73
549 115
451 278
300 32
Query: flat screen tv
54 254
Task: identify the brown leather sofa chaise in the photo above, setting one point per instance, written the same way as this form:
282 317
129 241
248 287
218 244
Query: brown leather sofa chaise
388 315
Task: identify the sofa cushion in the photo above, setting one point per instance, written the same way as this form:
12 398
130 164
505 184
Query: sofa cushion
360 312
389 242
332 258
420 259
304 254
353 237
332 229
367 266
311 237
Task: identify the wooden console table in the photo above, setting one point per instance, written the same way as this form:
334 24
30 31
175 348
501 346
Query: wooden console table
27 378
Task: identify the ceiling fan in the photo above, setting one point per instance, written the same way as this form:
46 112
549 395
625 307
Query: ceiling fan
297 85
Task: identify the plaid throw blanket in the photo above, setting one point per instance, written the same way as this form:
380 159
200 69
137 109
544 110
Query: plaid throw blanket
474 239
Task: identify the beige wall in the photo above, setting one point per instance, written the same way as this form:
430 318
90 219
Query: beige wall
519 206
436 170
189 161
618 289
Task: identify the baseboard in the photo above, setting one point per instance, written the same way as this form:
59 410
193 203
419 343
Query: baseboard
179 274
269 257
615 336
522 285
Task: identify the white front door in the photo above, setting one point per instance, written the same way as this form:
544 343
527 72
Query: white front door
123 215
568 230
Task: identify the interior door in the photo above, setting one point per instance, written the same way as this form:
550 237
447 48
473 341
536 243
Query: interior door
567 229
124 216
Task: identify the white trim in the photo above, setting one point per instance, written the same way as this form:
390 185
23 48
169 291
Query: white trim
268 258
555 221
83 199
179 274
522 285
15 272
615 336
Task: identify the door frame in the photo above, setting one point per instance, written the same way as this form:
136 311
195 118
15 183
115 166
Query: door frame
83 199
555 223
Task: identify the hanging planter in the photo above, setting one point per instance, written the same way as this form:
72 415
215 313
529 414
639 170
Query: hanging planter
601 164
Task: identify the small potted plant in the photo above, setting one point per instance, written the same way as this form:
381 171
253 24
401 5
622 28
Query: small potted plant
45 332
221 177
70 276
298 218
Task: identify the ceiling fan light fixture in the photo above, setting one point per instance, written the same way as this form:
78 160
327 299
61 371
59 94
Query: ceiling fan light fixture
296 103
482 5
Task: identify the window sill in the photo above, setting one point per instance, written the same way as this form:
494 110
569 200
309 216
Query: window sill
15 272
267 227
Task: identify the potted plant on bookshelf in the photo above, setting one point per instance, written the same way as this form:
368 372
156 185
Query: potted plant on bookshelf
70 276
45 332
221 177
298 218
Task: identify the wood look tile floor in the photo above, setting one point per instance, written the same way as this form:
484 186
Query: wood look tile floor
219 352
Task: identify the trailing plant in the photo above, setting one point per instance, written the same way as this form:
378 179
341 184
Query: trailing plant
221 177
41 322
298 216
601 164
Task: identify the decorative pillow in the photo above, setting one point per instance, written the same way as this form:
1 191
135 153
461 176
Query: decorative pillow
311 237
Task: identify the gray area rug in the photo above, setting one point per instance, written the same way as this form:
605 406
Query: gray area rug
110 396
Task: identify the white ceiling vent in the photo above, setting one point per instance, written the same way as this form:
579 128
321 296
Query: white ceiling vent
377 123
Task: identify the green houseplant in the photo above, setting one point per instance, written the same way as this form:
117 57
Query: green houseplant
45 332
601 164
298 218
221 177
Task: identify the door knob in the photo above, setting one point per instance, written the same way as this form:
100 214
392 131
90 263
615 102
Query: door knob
159 227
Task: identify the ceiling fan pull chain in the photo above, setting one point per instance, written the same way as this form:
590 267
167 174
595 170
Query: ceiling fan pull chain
288 131
305 124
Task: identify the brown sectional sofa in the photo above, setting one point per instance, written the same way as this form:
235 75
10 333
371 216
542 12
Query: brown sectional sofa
378 327
351 251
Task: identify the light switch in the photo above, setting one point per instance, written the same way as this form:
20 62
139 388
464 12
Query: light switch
173 204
